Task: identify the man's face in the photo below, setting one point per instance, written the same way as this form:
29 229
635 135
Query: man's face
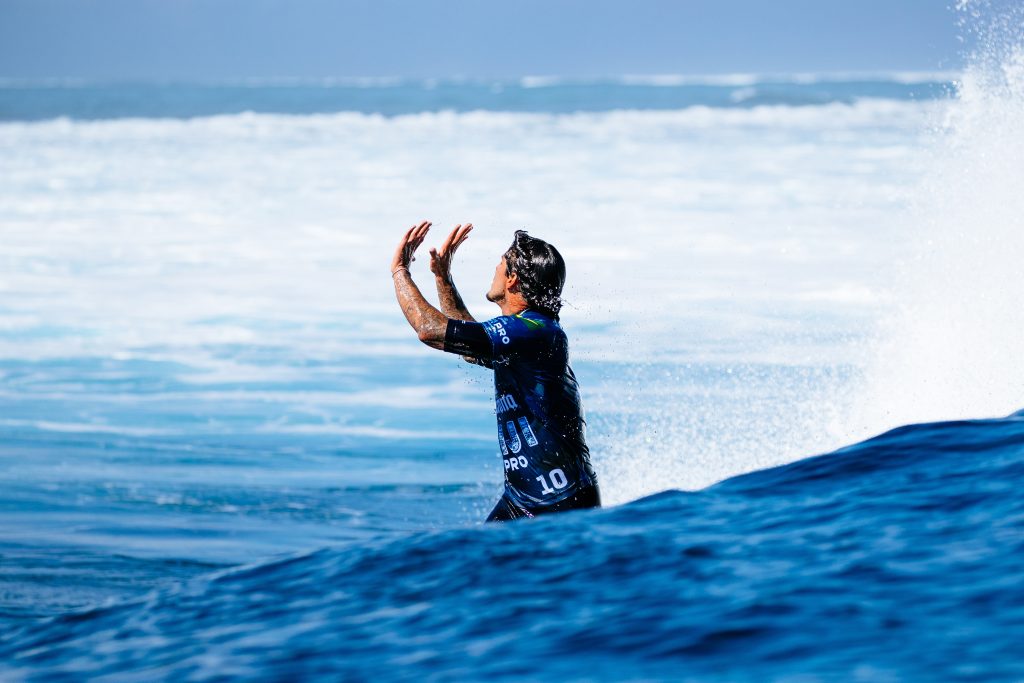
496 293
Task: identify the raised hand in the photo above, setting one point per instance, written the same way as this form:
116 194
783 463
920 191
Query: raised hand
406 250
441 259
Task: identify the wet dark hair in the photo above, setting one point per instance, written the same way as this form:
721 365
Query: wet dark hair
541 272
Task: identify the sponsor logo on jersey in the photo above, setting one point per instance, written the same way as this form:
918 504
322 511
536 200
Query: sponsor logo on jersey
506 403
499 329
501 442
531 439
514 443
516 463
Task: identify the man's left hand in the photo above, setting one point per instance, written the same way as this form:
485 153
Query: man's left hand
441 260
411 240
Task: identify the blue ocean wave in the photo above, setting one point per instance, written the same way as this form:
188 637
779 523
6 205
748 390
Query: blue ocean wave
31 101
898 558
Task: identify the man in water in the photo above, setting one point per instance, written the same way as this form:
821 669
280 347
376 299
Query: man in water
541 430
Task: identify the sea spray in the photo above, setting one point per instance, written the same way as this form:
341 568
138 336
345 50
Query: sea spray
945 342
951 349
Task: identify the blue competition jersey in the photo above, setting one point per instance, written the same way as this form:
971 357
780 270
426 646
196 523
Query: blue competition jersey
541 428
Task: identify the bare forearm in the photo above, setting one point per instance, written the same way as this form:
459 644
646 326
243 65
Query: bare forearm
453 307
430 324
451 300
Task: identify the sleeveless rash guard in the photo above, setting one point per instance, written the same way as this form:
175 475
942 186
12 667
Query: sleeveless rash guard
541 427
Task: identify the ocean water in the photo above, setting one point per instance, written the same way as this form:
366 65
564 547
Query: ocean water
40 100
223 453
865 564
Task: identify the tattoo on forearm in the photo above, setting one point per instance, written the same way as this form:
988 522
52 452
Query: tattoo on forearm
430 324
453 307
451 300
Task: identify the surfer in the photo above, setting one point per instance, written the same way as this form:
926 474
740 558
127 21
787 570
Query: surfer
541 430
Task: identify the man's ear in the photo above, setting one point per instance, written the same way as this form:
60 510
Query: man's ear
512 282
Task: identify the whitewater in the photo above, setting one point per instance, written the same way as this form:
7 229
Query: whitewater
224 454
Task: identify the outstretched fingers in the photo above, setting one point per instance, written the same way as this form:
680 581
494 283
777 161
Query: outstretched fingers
407 246
419 233
399 258
448 240
456 237
462 235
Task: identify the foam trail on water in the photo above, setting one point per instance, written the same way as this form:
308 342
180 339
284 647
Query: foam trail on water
952 347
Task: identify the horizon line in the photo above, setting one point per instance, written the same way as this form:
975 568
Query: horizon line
528 81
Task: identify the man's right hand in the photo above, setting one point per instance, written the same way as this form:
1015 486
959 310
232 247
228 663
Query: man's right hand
410 242
441 259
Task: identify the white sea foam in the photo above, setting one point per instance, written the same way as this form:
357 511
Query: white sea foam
127 229
88 428
951 349
670 80
714 238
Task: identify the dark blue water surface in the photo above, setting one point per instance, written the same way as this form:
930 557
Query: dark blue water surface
899 558
30 101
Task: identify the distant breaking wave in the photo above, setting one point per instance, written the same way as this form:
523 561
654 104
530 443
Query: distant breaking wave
76 99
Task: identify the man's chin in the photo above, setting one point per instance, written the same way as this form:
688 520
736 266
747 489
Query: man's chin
493 298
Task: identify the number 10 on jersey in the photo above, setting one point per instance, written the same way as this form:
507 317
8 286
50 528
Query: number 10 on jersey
558 480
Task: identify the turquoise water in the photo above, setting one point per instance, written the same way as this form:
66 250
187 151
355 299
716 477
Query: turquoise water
30 101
